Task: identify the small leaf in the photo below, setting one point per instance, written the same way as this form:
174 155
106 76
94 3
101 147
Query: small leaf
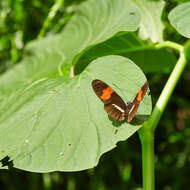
179 18
151 26
60 124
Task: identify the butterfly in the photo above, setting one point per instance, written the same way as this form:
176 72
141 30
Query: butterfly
113 103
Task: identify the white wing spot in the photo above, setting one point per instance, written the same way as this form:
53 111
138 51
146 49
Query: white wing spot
117 107
131 109
26 141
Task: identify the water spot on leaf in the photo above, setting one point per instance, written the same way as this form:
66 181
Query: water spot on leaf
61 153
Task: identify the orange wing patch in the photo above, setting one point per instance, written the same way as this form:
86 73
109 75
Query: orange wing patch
139 97
107 93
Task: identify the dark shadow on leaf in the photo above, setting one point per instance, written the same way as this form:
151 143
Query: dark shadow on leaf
116 123
29 53
139 119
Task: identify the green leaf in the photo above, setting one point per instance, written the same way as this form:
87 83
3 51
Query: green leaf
60 124
94 22
151 26
179 18
153 60
41 61
129 45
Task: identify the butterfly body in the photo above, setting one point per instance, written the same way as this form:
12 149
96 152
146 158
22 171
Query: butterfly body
113 103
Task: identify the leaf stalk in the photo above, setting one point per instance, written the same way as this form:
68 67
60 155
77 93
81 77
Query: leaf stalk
146 133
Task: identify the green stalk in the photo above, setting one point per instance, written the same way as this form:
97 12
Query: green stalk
147 145
146 133
50 17
170 85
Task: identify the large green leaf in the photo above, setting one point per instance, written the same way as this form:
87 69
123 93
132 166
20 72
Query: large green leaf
179 17
94 22
60 124
129 45
153 60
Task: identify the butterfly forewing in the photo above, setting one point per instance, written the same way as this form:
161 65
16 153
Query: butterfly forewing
102 90
133 107
141 93
113 104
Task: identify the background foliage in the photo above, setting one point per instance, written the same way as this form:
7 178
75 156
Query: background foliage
20 23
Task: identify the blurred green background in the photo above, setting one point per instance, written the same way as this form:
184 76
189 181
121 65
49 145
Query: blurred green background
20 23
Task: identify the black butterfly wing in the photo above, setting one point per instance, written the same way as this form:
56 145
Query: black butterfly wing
113 104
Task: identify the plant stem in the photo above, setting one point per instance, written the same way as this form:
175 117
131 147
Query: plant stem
170 85
146 133
50 17
147 143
